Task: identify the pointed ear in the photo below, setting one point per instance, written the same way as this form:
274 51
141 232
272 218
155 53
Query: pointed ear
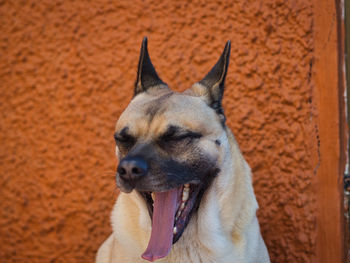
147 76
211 88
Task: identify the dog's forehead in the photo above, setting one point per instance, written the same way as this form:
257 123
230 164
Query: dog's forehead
153 114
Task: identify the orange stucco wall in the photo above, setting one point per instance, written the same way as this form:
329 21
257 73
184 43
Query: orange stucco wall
67 70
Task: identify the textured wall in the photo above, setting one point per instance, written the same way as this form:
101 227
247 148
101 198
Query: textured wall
67 70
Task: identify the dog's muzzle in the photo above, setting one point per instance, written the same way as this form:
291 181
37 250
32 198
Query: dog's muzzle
132 169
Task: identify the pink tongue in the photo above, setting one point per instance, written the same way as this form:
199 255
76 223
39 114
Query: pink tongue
161 239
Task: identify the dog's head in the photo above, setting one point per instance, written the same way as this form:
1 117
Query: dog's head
169 146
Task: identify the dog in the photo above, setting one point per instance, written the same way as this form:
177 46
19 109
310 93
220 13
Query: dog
186 190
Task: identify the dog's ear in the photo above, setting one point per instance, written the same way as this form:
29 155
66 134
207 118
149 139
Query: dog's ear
211 87
147 76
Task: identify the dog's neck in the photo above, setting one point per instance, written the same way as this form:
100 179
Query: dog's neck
230 189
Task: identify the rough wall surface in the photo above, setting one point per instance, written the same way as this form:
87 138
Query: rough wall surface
67 70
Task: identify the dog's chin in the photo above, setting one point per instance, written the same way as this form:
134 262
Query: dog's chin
190 195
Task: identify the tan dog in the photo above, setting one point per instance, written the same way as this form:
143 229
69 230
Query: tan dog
187 194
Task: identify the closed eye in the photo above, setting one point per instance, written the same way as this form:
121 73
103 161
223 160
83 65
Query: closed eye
123 137
177 134
179 137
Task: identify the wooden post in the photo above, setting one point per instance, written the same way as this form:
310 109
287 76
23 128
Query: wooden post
329 95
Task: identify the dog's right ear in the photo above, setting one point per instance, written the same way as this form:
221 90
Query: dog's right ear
147 76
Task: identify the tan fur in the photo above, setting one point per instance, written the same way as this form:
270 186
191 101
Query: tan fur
225 228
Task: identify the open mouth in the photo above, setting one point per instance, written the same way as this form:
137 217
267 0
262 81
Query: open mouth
170 212
186 202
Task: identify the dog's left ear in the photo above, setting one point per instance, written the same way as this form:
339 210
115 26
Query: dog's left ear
211 87
147 76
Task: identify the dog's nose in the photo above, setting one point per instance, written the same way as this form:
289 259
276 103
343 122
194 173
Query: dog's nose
132 169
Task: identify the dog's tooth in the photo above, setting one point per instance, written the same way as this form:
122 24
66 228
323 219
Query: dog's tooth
153 195
185 195
178 214
175 230
187 186
182 205
186 190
